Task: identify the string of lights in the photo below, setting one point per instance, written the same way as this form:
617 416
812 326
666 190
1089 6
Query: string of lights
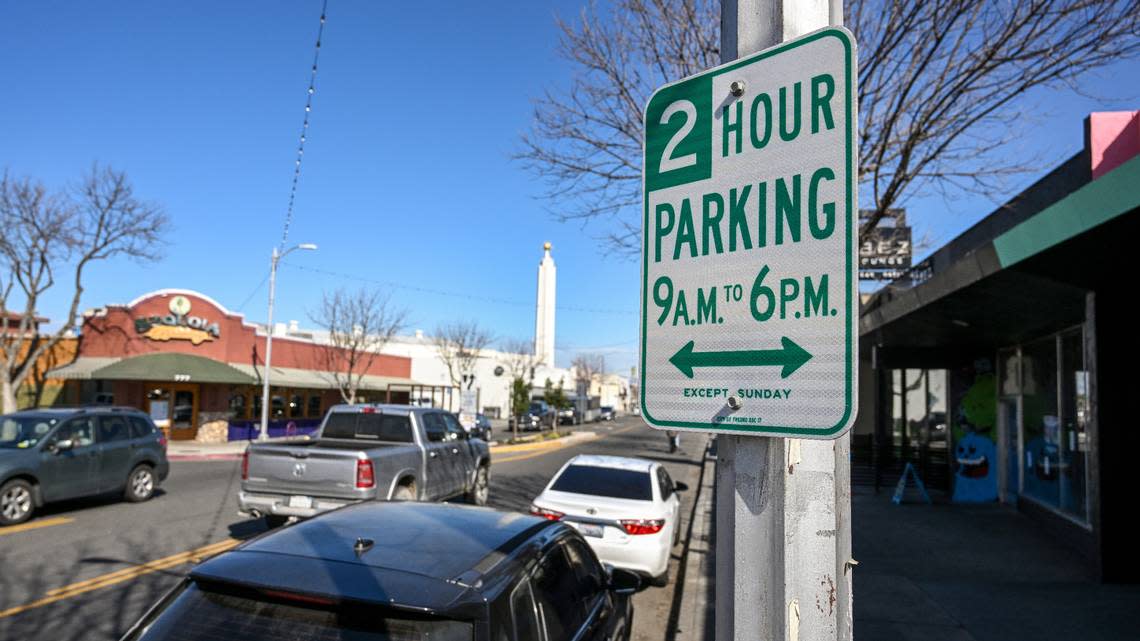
441 292
304 126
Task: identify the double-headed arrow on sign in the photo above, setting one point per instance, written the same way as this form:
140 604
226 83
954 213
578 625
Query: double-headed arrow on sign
791 357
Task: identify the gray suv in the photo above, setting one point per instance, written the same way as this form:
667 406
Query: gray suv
51 455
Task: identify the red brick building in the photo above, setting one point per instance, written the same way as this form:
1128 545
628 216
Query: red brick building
198 369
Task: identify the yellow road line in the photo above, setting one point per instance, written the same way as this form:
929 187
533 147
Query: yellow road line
119 576
33 525
543 451
173 559
526 447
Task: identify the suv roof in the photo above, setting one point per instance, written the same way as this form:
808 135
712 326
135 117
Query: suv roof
429 557
71 411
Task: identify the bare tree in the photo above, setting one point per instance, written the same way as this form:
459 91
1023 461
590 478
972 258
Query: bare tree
586 367
460 345
46 233
519 359
360 324
939 89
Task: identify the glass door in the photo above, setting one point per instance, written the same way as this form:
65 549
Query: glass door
184 412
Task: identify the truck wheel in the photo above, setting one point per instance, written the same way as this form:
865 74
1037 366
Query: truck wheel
140 484
274 521
404 493
16 503
481 488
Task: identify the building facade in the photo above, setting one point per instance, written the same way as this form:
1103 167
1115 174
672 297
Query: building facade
1000 366
198 369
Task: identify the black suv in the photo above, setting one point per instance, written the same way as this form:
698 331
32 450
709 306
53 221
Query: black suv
402 570
56 454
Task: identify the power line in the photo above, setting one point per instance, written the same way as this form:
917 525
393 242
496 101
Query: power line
441 292
304 126
253 293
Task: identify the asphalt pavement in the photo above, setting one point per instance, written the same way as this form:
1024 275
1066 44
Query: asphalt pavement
88 569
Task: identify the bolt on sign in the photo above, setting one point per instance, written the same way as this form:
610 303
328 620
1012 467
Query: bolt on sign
749 298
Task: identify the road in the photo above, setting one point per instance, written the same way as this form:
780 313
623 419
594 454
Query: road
88 569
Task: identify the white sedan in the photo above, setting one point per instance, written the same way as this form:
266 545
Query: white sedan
627 509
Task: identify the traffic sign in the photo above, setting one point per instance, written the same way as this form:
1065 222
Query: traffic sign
749 258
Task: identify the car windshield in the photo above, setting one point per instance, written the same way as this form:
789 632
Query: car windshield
537 408
605 481
200 614
21 432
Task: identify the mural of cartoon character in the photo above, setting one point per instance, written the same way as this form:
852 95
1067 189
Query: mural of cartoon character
975 480
975 454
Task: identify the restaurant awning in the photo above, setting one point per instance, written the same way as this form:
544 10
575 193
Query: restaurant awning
316 379
172 367
197 369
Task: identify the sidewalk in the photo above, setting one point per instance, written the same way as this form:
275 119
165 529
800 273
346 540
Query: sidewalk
941 572
232 450
949 572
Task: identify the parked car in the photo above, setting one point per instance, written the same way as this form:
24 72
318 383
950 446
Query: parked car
606 413
626 508
482 427
49 455
365 453
539 416
401 571
569 416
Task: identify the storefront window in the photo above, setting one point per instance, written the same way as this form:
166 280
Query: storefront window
1010 381
1074 415
314 406
1041 422
238 408
256 406
296 406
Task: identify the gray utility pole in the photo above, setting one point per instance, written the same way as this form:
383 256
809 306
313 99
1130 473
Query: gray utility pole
783 523
276 258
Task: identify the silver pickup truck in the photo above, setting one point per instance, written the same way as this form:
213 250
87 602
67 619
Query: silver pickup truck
364 453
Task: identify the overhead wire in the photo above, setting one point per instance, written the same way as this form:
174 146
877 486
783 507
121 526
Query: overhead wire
452 294
304 127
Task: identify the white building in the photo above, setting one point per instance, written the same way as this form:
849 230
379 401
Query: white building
492 379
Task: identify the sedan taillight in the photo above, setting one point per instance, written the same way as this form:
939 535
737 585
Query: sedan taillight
550 515
365 477
245 465
642 526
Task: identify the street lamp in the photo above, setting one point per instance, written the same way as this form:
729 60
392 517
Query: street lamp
264 433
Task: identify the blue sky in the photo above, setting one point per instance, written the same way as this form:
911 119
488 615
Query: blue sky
407 175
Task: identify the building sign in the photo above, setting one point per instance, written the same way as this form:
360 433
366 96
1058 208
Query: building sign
178 325
749 258
886 253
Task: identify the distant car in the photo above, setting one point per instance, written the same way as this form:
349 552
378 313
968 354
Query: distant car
606 413
626 508
49 455
404 571
569 416
482 427
539 416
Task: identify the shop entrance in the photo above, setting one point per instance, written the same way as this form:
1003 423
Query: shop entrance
174 408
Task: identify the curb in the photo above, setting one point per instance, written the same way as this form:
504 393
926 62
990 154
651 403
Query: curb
690 618
541 445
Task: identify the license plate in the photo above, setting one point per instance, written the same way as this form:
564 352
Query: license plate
301 502
589 529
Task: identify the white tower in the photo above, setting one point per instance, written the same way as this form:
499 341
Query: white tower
544 310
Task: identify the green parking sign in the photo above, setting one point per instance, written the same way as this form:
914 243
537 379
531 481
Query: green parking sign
749 273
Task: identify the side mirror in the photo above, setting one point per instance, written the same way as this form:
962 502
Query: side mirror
63 445
680 487
624 581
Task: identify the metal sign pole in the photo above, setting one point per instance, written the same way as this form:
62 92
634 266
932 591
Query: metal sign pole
783 542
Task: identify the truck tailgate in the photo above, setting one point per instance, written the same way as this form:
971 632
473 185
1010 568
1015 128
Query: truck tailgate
308 469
